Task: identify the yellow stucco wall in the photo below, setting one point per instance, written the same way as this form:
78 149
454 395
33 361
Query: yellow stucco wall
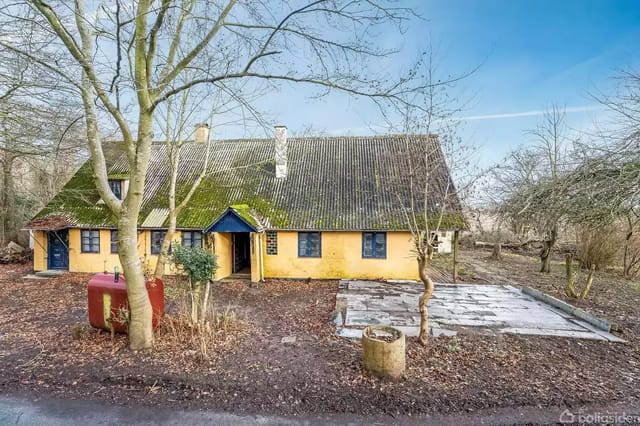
92 262
39 251
341 258
149 260
256 255
222 250
97 262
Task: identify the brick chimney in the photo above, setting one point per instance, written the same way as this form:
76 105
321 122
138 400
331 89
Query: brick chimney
281 152
202 133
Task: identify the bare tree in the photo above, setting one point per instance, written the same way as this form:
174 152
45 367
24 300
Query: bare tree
604 188
423 179
124 59
530 183
176 121
179 119
36 137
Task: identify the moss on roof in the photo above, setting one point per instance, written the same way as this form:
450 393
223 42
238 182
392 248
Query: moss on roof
244 211
213 197
80 202
120 176
447 221
337 183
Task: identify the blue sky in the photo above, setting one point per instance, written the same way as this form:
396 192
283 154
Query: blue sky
531 54
534 54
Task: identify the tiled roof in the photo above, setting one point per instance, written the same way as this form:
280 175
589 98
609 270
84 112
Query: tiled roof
333 183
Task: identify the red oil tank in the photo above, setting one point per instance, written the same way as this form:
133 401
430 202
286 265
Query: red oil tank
108 304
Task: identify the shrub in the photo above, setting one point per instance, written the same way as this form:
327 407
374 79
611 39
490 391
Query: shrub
597 246
200 267
453 346
196 262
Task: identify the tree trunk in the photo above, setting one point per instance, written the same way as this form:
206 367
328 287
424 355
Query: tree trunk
174 158
545 253
497 251
626 267
625 260
140 311
163 257
8 222
203 308
194 302
587 285
423 264
571 277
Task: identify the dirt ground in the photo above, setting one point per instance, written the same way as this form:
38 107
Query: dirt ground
47 349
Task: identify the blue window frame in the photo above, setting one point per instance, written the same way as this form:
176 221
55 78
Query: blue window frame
114 241
90 241
192 239
374 245
156 241
116 188
309 244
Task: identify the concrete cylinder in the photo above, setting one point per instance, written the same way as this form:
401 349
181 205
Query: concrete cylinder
384 351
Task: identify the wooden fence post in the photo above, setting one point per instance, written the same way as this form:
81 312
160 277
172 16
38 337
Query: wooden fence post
456 237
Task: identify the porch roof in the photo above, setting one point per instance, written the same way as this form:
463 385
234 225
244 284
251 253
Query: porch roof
235 219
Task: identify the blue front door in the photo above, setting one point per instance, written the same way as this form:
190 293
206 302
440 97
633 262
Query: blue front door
58 257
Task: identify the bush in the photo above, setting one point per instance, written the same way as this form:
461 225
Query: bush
196 262
597 246
200 267
178 330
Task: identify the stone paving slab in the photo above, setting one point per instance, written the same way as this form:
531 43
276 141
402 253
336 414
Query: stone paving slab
485 308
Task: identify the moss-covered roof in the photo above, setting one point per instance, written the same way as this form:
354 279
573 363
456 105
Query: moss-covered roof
246 213
80 202
336 183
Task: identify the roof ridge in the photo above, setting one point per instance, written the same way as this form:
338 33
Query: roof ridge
318 138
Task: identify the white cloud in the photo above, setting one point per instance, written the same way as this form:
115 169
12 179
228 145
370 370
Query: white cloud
531 113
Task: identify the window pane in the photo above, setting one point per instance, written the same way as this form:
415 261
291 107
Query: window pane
314 243
90 241
380 245
197 239
116 188
309 244
114 241
156 241
302 244
186 239
367 244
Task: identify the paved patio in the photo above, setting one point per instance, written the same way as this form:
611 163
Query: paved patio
454 307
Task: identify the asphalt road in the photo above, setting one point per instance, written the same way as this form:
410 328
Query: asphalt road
54 412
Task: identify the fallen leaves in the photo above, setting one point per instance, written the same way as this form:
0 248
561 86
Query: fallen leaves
44 348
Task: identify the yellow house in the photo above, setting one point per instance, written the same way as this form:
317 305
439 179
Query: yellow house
323 207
